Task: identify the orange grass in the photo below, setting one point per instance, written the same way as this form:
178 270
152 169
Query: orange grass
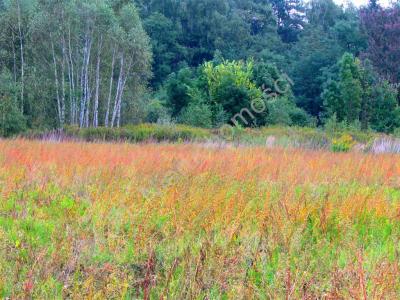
188 221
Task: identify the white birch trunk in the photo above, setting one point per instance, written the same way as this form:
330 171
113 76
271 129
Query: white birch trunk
56 83
82 82
120 91
107 117
88 91
84 113
71 82
119 85
97 91
14 58
62 100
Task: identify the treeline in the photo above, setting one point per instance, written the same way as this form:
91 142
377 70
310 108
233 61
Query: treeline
198 62
71 62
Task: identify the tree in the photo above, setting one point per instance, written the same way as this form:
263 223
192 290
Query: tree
230 86
315 52
94 66
323 13
369 79
192 31
348 32
290 18
350 87
343 95
15 19
134 55
382 26
333 101
386 111
177 89
373 5
353 92
169 55
94 52
11 118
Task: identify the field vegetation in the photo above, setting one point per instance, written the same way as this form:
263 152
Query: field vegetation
186 221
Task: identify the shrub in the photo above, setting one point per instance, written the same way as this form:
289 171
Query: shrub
283 111
198 115
343 144
156 112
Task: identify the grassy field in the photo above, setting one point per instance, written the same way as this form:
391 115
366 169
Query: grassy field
161 221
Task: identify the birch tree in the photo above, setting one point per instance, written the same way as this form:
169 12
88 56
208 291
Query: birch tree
84 60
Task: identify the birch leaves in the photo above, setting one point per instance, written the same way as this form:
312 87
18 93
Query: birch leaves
97 59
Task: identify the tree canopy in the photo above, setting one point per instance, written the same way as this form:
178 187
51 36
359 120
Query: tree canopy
201 62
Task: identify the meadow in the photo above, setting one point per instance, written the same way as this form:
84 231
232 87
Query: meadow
193 221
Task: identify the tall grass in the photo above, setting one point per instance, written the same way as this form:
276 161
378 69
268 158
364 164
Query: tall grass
191 222
139 133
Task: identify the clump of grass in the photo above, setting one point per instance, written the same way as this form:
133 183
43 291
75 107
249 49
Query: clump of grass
140 133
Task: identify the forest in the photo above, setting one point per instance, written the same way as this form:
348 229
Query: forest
204 63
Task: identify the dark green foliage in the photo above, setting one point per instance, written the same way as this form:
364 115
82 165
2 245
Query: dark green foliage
343 94
212 62
192 31
316 51
353 95
168 53
283 111
197 114
333 101
12 120
177 89
368 79
350 87
156 112
386 111
290 18
245 93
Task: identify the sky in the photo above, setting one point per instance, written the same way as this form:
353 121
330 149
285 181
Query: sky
361 2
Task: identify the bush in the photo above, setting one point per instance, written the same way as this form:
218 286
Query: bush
283 111
156 112
197 114
343 144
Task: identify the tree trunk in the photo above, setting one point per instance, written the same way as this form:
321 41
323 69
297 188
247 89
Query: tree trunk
120 90
88 91
62 82
119 86
78 86
22 56
14 58
110 91
119 115
71 81
84 113
56 83
96 97
83 104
